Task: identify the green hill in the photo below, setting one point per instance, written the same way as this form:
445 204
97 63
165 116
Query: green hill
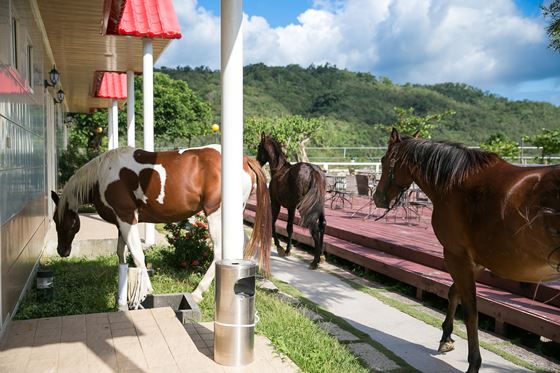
352 103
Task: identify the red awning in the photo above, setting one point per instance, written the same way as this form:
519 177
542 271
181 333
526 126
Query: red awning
109 85
11 83
144 18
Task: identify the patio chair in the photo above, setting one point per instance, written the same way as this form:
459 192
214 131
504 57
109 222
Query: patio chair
336 187
364 190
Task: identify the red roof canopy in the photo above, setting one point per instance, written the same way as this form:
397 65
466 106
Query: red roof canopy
109 85
11 82
144 18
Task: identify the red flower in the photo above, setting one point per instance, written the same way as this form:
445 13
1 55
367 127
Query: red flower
195 262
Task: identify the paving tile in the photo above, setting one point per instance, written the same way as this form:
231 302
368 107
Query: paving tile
42 332
7 367
41 366
117 333
163 312
44 352
115 317
165 369
73 337
122 325
49 322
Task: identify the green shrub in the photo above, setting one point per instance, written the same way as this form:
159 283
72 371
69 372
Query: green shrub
192 248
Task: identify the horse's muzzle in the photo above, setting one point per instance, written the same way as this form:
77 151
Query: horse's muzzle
63 252
380 201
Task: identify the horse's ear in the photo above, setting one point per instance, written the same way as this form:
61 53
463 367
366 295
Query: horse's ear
395 137
54 197
262 136
416 134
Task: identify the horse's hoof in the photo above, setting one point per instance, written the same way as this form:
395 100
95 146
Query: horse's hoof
287 253
314 266
446 346
281 252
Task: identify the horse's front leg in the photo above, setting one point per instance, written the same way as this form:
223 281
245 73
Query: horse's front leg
215 231
143 286
463 271
122 296
290 229
446 343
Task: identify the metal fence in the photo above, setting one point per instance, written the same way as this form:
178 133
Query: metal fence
365 156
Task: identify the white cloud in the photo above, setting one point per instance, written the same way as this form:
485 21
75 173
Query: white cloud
480 42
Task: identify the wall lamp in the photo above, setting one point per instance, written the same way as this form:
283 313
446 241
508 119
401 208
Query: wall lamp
53 77
59 96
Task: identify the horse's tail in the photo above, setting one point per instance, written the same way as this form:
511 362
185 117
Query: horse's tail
311 206
262 228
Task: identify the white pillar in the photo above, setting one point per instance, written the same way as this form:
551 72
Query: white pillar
110 130
148 89
115 122
232 128
130 125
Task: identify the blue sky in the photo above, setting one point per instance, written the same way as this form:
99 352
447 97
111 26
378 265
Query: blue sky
499 46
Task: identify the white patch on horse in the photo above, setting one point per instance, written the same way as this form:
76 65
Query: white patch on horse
139 194
181 151
162 177
216 147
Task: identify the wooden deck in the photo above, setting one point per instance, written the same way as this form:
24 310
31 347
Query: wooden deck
407 250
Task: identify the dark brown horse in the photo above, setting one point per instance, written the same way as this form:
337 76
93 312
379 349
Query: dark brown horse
299 186
129 186
487 213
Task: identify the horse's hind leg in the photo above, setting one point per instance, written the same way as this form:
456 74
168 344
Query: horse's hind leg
463 271
290 229
275 207
447 343
215 231
316 234
322 226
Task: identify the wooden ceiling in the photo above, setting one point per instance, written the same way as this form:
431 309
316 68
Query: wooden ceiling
73 29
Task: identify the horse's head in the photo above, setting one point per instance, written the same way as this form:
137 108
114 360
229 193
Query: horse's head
67 225
266 149
395 175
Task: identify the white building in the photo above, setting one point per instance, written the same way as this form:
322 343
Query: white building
79 37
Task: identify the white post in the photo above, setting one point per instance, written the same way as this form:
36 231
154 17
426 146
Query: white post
110 131
130 125
115 122
232 128
148 89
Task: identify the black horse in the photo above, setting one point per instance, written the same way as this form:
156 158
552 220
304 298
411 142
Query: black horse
299 186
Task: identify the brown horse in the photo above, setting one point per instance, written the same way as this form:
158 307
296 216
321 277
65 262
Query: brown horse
129 186
487 213
299 186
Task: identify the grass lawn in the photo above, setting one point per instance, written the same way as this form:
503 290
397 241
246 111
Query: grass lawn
89 286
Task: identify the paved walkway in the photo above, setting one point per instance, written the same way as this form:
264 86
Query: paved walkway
134 341
413 340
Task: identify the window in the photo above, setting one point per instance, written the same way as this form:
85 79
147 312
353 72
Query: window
30 65
14 43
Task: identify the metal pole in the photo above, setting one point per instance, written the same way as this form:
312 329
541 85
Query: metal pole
130 125
115 120
232 128
110 131
148 89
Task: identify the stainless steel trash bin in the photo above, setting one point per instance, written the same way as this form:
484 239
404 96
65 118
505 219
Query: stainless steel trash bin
234 325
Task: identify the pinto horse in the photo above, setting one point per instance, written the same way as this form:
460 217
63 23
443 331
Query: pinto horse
487 213
128 186
299 186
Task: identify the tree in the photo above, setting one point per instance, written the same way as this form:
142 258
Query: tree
501 145
293 131
409 123
85 141
548 140
552 11
178 112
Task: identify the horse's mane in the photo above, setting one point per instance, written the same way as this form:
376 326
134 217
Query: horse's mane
442 163
278 149
77 190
